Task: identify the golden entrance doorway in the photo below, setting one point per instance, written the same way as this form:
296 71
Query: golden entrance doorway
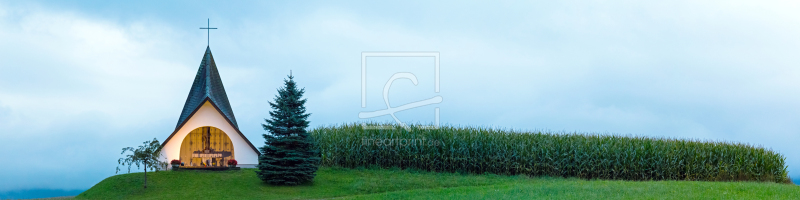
206 147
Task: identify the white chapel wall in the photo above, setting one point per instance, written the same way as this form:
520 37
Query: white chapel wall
207 115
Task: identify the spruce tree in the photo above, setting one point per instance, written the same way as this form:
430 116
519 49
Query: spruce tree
290 155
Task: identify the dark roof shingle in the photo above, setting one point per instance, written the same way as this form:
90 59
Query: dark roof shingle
207 83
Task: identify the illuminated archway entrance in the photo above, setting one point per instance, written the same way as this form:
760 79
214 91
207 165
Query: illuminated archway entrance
206 147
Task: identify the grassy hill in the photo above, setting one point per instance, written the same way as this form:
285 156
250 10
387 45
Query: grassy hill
404 184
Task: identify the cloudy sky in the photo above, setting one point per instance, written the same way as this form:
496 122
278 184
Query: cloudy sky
79 80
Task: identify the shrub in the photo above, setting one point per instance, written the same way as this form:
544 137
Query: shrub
175 162
232 162
590 156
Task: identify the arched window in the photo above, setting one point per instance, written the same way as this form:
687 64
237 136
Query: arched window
206 147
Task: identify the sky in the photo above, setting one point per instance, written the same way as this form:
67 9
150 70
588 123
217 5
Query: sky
80 80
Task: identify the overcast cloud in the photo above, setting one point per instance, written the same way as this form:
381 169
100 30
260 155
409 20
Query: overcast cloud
81 80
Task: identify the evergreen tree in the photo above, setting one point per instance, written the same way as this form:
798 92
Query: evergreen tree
290 156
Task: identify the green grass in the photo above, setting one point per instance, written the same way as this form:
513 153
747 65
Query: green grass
329 182
602 189
404 184
479 150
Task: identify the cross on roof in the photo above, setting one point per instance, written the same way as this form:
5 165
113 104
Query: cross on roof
209 32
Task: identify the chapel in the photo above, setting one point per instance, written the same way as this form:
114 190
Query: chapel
207 135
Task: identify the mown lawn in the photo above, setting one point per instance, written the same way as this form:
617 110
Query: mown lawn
402 184
556 188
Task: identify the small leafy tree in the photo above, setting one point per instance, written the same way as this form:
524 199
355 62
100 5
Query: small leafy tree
290 156
147 155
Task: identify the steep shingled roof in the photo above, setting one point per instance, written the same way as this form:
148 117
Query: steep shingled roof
207 84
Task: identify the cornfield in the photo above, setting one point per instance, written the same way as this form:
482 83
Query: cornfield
480 150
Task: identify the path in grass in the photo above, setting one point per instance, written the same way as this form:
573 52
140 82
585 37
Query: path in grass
401 184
